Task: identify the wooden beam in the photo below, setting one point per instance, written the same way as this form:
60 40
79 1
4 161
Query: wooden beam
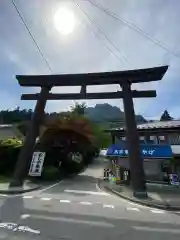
76 96
102 78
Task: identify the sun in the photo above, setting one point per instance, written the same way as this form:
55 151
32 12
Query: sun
64 20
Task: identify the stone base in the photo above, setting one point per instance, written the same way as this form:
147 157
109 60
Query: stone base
15 183
140 195
6 189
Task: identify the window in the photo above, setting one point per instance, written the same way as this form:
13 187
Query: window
124 138
162 139
174 139
152 140
142 139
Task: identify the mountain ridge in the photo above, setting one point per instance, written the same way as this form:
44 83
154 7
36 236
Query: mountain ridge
108 113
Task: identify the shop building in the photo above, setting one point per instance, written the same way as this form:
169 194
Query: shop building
158 136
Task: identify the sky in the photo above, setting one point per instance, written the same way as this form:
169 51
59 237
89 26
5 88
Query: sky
143 34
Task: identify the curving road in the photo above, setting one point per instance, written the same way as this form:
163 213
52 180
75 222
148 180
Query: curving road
77 209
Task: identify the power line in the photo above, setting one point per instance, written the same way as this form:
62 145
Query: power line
133 27
103 32
28 30
98 38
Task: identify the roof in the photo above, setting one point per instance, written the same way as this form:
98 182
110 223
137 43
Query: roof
101 78
153 125
160 124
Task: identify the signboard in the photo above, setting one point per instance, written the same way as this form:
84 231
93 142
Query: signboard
147 151
37 163
174 179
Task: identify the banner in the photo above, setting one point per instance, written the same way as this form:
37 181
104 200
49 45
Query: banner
37 163
147 151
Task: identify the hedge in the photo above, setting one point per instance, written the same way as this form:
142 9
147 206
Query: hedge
10 149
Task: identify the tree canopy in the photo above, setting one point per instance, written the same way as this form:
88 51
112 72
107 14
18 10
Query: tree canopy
79 108
166 116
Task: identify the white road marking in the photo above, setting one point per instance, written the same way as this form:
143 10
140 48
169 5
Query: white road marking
28 197
24 216
135 204
86 192
18 228
120 199
74 221
46 199
132 209
100 190
139 205
157 211
86 203
65 201
47 188
108 206
3 195
162 230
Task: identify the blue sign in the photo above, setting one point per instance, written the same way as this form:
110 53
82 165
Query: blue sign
147 151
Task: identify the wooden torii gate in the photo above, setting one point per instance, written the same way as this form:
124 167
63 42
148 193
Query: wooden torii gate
123 78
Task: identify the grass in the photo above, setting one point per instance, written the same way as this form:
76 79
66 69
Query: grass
4 179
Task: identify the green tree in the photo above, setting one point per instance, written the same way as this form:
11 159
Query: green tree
79 108
103 139
166 116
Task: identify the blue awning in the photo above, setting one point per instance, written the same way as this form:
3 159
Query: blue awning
147 151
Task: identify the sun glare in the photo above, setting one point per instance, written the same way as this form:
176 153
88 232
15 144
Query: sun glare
64 20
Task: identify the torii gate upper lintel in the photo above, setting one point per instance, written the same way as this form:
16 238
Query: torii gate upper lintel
124 78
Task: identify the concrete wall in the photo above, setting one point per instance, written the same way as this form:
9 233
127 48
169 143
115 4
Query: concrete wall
153 170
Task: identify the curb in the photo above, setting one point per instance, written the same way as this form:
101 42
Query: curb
148 204
14 191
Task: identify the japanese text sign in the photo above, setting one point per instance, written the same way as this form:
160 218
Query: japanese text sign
147 151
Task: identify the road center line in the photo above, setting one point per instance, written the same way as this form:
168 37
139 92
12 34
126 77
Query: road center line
27 197
46 199
24 216
162 230
86 192
65 201
74 221
86 203
108 206
132 209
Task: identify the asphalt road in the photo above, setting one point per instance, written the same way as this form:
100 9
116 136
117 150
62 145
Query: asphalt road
76 209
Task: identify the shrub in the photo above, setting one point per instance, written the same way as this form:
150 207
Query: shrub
50 173
9 151
11 142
